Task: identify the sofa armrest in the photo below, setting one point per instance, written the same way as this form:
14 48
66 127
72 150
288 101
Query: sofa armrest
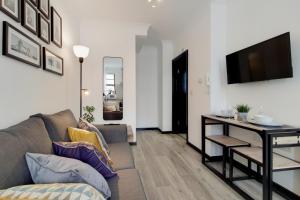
113 133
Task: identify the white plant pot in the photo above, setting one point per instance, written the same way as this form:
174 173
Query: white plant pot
243 117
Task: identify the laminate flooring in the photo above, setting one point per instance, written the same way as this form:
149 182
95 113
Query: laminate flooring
171 170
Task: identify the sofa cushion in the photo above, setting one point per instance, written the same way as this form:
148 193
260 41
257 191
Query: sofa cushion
113 133
47 169
83 124
127 185
57 124
121 155
28 136
86 153
80 135
69 191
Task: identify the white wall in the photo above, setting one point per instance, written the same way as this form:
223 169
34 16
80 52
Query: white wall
147 77
247 23
154 83
196 38
166 87
26 90
108 38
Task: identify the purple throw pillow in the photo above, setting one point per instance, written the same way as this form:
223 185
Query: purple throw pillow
86 153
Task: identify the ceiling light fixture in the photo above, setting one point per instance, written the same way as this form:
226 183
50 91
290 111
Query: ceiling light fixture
154 3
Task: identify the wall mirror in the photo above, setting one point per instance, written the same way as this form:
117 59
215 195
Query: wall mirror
113 88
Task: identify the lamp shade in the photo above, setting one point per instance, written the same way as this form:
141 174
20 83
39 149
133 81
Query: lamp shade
81 51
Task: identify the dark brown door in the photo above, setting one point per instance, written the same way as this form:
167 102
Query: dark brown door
180 93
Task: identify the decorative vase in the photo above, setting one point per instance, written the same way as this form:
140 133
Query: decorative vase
243 117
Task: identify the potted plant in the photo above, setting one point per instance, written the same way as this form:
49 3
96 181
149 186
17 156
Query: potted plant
88 115
242 112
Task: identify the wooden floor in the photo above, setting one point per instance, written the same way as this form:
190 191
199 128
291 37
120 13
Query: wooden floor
171 170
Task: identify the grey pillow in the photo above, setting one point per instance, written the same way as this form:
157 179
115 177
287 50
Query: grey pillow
58 123
47 169
85 125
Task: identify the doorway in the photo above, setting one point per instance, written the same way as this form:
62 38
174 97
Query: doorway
180 95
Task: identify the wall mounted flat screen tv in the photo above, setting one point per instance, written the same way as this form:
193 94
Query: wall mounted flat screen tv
268 60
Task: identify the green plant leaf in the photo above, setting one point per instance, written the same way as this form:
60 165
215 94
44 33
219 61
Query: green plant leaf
88 115
243 108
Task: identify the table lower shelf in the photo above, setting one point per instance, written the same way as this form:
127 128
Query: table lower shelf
227 141
255 154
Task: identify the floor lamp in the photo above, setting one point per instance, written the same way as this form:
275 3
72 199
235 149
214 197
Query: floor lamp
81 52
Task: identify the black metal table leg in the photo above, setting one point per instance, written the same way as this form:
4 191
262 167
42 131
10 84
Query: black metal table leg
203 133
226 129
225 154
258 170
249 168
225 149
267 167
231 166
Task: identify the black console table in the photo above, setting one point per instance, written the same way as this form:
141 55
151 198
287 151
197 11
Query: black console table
270 139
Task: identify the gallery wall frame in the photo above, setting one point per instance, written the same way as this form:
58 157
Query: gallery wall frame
52 62
11 8
19 46
29 17
56 28
44 32
44 7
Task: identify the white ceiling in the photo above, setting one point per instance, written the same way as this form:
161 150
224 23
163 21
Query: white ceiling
166 19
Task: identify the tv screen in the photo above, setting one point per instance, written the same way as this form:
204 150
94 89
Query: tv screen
268 60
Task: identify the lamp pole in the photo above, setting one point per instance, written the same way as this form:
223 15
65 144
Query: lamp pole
81 61
81 52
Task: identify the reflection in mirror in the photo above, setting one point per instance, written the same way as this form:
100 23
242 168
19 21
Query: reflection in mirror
113 88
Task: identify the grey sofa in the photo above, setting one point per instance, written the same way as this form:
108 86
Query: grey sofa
36 134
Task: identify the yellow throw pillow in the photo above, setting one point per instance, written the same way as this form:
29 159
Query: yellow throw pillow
80 135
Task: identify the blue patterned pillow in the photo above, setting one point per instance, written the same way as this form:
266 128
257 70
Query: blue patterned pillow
86 153
47 169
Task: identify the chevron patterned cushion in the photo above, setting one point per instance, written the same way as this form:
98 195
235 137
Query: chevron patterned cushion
51 192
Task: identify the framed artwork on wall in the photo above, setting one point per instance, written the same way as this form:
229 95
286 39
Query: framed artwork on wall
35 2
11 8
29 17
44 29
52 62
19 46
44 7
56 28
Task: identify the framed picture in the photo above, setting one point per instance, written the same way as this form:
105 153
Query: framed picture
44 29
29 17
35 2
19 46
56 28
44 7
52 62
11 8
